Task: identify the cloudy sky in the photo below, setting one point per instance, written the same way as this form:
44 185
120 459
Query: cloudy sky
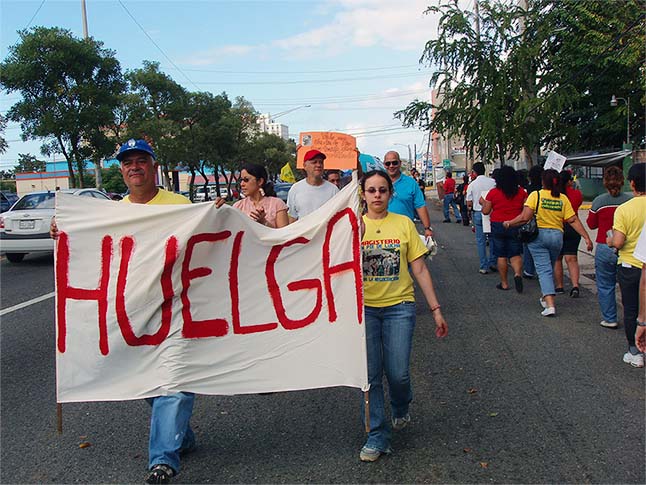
354 61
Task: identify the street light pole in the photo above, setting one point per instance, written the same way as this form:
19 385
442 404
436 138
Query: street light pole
613 103
409 152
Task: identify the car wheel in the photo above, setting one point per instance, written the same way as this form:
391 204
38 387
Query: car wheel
15 257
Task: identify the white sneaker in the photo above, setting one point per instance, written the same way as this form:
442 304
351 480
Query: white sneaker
634 360
543 302
603 323
549 311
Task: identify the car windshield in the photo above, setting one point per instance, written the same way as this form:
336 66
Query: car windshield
36 201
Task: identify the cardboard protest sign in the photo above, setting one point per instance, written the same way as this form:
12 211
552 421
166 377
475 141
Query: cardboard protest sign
555 161
339 149
155 299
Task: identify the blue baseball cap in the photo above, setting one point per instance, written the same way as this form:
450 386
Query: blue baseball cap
133 145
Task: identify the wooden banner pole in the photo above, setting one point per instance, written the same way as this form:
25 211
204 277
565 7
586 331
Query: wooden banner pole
366 400
59 418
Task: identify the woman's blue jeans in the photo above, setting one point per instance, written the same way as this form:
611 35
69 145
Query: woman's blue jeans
545 250
389 339
605 268
170 429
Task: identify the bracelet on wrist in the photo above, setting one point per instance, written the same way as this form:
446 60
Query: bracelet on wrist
641 324
436 307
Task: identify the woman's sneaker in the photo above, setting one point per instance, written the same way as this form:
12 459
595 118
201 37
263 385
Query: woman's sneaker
603 323
634 360
372 454
401 423
550 311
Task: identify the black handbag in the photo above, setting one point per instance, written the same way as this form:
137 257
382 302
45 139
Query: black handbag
529 231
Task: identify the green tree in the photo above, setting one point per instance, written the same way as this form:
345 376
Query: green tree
69 88
155 112
113 180
541 76
3 142
29 163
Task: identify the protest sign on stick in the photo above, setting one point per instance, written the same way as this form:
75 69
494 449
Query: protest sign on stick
152 300
555 161
339 149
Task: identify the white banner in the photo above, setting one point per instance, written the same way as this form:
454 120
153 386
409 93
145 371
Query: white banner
155 299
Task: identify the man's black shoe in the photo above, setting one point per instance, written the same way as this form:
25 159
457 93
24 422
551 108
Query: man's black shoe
446 220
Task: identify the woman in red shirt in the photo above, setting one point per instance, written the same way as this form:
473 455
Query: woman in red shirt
505 202
571 240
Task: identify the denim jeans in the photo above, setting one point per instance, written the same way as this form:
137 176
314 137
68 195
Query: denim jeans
170 429
628 279
545 250
528 261
605 268
389 339
448 201
481 242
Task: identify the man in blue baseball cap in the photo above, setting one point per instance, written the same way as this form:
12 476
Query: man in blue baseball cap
170 430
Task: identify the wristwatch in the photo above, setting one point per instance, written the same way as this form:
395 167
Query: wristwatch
429 228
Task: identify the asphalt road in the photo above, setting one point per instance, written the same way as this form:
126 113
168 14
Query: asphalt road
508 397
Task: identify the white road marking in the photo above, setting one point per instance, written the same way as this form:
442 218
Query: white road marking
27 303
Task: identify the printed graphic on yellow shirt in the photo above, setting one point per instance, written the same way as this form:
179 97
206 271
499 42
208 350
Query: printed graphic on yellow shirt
551 204
381 260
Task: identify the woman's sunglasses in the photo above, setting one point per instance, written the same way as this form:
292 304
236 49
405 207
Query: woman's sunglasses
372 190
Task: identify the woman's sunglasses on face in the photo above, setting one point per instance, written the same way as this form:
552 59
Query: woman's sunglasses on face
388 164
373 190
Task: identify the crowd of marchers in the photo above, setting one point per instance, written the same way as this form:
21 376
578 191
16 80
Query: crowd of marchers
499 205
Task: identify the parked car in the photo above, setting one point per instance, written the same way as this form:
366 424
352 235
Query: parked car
201 191
25 227
281 189
7 199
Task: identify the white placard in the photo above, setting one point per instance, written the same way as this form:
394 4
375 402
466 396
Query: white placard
554 161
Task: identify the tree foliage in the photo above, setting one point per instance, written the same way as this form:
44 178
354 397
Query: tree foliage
69 88
536 77
29 163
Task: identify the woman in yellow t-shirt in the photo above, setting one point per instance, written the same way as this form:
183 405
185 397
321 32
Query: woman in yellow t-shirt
553 208
627 226
390 247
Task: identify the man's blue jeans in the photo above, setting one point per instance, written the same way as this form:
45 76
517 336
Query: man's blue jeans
605 268
448 201
545 250
481 242
389 339
170 429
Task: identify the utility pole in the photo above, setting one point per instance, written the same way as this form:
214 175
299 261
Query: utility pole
97 163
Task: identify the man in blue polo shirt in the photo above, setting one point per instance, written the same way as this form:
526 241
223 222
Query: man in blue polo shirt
407 199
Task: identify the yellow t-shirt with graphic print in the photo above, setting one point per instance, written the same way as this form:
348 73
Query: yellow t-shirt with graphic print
629 219
163 197
387 247
552 211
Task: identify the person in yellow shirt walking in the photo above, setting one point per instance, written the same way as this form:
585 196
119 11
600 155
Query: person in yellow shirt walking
552 208
626 229
390 247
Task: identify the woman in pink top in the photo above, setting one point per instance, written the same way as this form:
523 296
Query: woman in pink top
571 240
259 202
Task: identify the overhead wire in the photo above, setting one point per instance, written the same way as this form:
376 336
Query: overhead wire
35 13
156 45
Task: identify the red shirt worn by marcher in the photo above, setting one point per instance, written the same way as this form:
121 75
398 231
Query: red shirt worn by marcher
449 186
575 197
504 209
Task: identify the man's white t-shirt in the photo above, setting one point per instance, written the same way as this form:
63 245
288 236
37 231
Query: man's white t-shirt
304 198
475 189
640 250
